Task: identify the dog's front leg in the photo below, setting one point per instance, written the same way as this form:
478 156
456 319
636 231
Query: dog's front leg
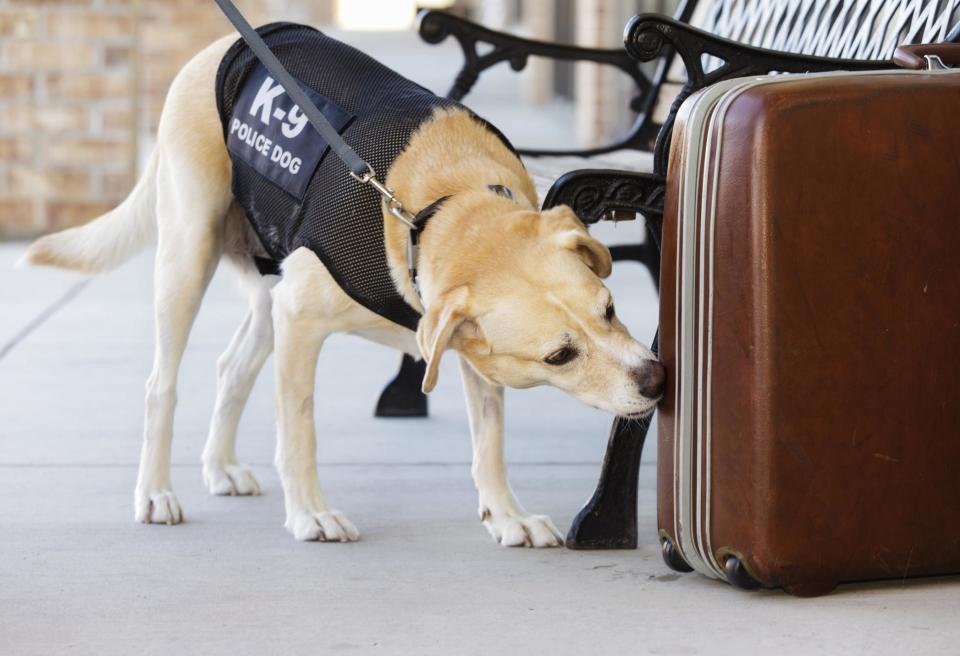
500 512
299 333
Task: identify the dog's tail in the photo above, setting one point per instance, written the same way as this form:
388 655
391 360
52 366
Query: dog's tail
109 240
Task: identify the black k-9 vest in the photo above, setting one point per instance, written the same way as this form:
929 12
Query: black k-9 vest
293 191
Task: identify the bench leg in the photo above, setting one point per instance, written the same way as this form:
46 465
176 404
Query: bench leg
609 519
402 396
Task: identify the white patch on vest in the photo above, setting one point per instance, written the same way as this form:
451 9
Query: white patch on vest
263 101
261 144
298 122
267 131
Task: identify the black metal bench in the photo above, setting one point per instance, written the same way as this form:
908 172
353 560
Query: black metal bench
707 41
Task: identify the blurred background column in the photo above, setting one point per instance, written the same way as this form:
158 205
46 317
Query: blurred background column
539 22
602 95
597 106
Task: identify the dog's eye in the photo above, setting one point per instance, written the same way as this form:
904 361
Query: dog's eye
610 313
561 356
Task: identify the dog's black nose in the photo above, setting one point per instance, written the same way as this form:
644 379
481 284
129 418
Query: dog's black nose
651 378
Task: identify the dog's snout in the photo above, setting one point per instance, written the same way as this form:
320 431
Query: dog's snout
651 378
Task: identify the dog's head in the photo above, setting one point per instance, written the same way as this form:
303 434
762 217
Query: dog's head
526 306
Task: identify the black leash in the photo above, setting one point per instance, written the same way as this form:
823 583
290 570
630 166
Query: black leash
358 168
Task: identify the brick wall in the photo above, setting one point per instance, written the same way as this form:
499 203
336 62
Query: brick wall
82 83
172 31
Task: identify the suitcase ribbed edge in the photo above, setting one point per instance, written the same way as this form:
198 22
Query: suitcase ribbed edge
693 320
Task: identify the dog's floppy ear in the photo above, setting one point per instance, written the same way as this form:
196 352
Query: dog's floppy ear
570 233
436 329
594 254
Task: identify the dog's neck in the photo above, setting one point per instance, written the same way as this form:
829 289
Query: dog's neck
452 156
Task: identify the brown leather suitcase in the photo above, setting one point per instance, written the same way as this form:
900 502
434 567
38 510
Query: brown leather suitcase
810 325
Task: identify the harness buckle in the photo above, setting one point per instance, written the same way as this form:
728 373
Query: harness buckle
394 206
396 209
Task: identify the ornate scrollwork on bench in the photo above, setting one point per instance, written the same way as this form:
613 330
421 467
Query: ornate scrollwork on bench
595 194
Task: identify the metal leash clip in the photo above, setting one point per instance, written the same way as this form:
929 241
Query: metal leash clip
394 206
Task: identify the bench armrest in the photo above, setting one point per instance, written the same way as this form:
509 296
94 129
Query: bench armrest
436 26
598 194
648 36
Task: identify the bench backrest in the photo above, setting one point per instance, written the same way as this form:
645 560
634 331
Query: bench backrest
848 29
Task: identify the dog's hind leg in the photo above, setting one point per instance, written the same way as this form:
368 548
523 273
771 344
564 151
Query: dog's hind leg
190 210
301 318
500 512
237 371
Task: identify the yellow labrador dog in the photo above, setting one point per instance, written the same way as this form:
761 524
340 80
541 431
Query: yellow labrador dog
516 292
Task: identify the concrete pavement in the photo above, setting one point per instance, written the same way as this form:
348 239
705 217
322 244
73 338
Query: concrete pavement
77 575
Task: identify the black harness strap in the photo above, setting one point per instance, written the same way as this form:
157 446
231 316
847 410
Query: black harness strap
423 216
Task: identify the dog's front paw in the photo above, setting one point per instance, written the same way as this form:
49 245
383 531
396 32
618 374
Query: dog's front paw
230 480
325 526
518 530
157 507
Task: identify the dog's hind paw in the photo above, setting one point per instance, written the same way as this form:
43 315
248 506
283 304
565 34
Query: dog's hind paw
523 530
230 480
158 507
326 526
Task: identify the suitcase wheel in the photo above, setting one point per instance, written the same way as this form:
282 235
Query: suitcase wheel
737 574
672 557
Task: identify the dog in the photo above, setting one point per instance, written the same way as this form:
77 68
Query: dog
515 291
